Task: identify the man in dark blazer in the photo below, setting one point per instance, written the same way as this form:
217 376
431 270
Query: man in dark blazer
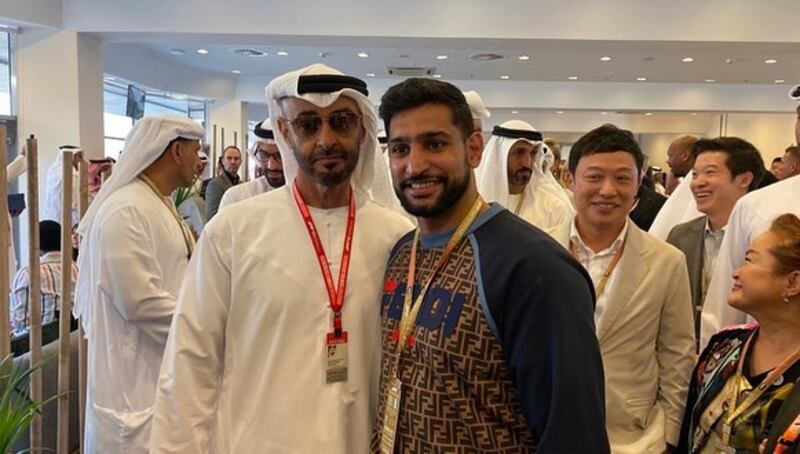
231 160
725 169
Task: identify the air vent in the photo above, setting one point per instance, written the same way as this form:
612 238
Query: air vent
409 71
249 52
486 57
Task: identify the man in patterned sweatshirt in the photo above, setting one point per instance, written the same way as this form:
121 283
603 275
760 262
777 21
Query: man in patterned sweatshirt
494 350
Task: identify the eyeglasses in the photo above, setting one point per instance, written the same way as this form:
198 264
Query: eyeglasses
264 156
342 123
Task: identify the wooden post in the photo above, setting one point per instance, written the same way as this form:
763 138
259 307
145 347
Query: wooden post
62 443
34 287
83 345
5 230
213 156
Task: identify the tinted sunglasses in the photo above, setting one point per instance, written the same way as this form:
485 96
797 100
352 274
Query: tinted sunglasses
342 123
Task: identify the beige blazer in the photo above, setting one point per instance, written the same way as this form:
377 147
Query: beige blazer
646 337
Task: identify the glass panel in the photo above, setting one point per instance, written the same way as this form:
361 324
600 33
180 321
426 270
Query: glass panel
5 74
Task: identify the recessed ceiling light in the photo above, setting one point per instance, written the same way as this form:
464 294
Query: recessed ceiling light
641 79
441 57
560 112
505 77
771 61
687 59
711 81
437 76
515 112
177 51
606 58
370 74
779 81
524 57
604 113
282 53
202 51
649 114
694 114
573 77
363 55
237 71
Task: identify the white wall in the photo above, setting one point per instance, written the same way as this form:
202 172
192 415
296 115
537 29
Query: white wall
230 116
28 12
770 133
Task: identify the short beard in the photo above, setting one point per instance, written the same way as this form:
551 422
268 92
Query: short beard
520 177
450 196
330 177
275 182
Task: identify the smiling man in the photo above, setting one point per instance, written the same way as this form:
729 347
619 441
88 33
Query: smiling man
643 315
725 169
488 338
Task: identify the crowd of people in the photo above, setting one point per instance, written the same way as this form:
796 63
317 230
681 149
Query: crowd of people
437 291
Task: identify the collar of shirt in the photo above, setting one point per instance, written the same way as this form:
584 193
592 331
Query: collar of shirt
232 177
52 256
717 235
585 252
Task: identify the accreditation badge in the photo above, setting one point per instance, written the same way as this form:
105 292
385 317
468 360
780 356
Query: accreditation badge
391 414
336 358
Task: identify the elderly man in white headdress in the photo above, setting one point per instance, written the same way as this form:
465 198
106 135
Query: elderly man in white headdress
135 252
275 347
51 210
268 160
510 159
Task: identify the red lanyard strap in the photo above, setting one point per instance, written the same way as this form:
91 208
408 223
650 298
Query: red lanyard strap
335 296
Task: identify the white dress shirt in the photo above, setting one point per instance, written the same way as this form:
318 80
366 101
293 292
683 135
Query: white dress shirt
596 264
711 243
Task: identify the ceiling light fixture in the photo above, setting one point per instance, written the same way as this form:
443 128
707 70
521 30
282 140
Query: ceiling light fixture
441 57
641 79
604 113
770 61
649 114
177 51
524 57
237 71
573 77
779 81
370 74
687 59
505 77
606 58
711 81
363 55
515 112
437 76
560 112
202 51
282 53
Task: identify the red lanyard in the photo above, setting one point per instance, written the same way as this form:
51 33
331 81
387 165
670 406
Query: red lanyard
336 297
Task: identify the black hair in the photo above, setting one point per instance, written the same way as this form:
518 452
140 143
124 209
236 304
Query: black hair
742 156
49 236
605 139
416 92
778 159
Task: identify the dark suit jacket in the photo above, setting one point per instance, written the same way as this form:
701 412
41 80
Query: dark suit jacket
648 206
216 187
688 237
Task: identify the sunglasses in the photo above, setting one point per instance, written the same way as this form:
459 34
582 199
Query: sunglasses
342 123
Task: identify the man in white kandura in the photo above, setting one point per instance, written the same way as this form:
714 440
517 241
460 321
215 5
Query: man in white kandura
269 167
275 347
504 176
135 252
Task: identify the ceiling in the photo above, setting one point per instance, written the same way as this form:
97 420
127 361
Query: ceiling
545 60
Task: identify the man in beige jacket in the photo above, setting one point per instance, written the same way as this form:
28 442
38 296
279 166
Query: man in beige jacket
644 311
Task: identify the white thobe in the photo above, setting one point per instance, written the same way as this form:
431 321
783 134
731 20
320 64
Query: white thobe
244 368
131 266
545 211
752 216
680 207
244 191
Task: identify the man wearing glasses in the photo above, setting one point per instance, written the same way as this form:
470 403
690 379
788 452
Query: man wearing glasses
275 346
269 167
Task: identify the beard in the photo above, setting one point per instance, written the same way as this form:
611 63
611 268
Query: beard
451 194
275 181
330 174
520 177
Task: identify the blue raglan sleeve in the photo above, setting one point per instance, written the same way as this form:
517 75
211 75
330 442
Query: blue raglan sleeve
542 308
